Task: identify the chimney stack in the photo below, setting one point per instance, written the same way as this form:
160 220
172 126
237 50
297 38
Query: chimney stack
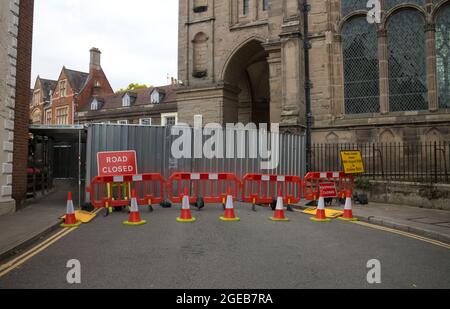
95 59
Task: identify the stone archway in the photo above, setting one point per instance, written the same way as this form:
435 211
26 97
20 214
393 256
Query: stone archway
248 71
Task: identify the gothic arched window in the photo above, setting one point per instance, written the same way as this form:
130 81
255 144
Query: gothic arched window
389 4
200 55
407 68
443 55
348 6
361 72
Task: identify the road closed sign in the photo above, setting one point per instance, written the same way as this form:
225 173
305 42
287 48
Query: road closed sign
118 163
328 190
352 162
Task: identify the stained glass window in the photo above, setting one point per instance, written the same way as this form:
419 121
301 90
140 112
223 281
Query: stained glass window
359 42
389 4
407 68
348 6
443 55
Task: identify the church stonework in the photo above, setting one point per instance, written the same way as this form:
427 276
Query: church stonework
243 61
242 64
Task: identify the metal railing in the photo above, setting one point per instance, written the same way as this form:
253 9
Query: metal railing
412 162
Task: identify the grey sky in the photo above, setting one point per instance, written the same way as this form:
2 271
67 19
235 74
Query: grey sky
138 38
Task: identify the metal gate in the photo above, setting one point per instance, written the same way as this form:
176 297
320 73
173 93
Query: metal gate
153 148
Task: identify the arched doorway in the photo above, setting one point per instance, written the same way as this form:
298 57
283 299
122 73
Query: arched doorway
248 70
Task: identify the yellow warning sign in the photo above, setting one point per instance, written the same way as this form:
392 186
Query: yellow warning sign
352 162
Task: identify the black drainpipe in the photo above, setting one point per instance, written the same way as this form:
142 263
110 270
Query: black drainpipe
308 84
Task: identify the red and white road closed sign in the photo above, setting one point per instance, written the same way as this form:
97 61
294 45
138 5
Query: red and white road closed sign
328 189
120 163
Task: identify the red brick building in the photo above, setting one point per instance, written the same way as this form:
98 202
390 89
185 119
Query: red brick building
56 102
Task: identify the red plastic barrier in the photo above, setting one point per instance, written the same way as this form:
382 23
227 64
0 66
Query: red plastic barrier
115 191
312 180
150 189
263 189
212 187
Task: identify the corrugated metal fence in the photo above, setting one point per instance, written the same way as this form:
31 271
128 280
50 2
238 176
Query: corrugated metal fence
153 147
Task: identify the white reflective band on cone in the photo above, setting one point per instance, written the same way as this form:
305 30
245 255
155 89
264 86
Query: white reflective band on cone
70 208
195 176
280 205
348 204
214 177
229 202
321 205
265 178
134 205
186 204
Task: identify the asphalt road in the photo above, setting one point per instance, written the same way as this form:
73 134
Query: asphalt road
253 253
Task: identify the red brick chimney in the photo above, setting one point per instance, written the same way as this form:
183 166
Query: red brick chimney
95 63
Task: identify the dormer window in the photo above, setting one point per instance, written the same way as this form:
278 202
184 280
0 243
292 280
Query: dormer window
156 97
94 105
129 99
126 100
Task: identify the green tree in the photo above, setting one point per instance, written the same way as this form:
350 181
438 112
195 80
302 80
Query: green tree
133 86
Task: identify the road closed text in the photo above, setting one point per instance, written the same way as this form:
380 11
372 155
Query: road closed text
117 163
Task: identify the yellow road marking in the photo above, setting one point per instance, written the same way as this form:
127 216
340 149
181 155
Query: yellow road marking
25 258
11 265
421 238
406 234
7 265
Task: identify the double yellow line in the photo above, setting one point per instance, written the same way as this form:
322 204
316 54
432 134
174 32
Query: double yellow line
11 265
406 234
421 238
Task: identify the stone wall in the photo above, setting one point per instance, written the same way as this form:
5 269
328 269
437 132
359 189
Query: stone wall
413 194
9 28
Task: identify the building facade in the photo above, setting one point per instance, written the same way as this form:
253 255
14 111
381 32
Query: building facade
56 102
244 61
41 97
16 28
155 106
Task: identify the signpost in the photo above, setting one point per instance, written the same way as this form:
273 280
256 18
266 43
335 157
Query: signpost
120 163
352 162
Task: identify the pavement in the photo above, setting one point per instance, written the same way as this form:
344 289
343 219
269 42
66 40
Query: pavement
36 221
431 223
252 253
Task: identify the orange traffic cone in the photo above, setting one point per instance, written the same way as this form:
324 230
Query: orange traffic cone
229 216
70 219
135 217
320 215
348 212
186 215
279 210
